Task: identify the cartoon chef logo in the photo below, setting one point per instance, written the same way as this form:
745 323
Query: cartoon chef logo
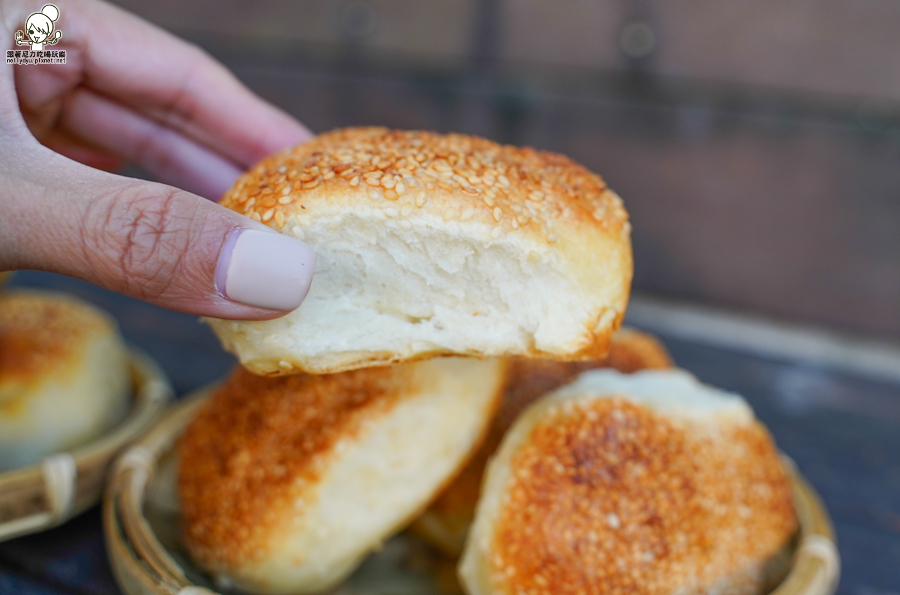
39 29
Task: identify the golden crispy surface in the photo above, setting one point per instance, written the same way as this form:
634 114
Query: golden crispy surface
528 380
609 497
250 450
42 332
459 177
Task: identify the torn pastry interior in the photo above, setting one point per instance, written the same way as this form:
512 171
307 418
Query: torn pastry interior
432 244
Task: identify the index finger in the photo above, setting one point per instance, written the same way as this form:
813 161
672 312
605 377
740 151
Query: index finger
175 83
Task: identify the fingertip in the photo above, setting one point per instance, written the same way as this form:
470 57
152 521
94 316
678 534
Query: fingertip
265 269
226 309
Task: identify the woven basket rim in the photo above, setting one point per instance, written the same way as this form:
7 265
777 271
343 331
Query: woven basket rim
143 566
59 478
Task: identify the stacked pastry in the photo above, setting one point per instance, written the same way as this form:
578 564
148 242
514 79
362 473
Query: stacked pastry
342 425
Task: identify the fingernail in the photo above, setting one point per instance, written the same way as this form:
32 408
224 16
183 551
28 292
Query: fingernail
265 269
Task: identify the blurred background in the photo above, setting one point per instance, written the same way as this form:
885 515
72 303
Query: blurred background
756 143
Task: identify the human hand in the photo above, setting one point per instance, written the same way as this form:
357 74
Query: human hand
131 91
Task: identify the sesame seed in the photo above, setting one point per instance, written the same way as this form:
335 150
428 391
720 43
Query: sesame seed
504 181
282 169
268 202
297 231
391 212
552 238
373 181
467 214
279 218
374 194
401 188
255 216
613 520
421 199
497 213
391 194
354 181
406 210
388 183
285 200
268 215
450 214
515 224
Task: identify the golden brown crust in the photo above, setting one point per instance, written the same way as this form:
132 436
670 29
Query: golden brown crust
528 380
611 497
460 177
42 332
257 441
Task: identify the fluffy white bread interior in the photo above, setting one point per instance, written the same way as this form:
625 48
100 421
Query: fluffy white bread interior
286 483
63 375
430 244
643 483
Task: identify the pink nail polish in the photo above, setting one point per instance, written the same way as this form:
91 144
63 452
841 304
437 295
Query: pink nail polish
265 269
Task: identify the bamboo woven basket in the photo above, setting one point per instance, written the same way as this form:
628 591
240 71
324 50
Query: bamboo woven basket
62 485
141 524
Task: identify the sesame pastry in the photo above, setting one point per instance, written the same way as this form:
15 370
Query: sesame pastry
446 522
642 484
431 244
64 377
287 483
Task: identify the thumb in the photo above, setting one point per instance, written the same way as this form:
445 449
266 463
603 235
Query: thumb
148 240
